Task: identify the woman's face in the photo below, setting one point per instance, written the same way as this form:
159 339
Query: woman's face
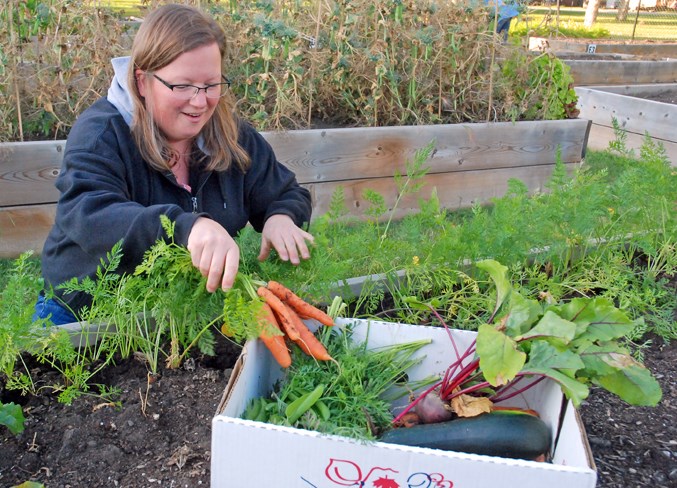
181 120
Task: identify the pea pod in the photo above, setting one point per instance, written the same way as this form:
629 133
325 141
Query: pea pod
302 404
322 410
254 409
264 414
291 396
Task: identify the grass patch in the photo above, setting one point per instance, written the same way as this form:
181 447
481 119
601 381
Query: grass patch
127 8
569 23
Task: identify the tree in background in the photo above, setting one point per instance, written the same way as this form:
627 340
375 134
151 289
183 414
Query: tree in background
622 12
591 13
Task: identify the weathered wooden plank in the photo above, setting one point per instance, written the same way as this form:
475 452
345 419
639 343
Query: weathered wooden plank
601 135
24 228
455 190
472 164
637 115
639 90
665 50
28 170
343 154
593 72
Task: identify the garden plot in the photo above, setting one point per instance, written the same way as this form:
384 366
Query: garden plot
600 63
593 69
638 109
605 46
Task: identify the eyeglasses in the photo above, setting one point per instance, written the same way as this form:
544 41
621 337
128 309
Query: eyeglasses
188 92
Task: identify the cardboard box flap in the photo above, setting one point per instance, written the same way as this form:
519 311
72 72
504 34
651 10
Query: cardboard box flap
232 379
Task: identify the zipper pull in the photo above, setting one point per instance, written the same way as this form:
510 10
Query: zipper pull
194 199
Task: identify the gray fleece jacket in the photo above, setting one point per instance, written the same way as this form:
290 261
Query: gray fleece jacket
109 193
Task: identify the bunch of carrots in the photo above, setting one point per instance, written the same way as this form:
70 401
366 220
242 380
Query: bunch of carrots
285 311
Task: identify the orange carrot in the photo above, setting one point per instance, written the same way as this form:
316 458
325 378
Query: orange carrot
285 320
226 330
302 308
308 342
274 343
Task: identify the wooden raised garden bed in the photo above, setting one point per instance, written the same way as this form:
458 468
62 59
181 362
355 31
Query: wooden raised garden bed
599 63
471 163
639 109
601 46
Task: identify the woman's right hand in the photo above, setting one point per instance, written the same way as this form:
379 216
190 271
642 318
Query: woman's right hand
214 252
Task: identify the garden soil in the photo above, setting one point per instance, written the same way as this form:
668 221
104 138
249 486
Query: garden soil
159 432
669 97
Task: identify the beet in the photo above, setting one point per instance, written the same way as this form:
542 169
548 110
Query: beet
431 409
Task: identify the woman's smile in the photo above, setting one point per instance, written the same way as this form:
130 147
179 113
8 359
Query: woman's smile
181 120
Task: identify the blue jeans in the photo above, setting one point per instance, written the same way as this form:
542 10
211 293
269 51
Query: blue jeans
52 310
503 26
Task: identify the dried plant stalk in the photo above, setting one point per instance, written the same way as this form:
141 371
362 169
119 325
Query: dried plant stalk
293 64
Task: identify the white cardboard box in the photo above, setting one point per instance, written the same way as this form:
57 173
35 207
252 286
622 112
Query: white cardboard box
247 453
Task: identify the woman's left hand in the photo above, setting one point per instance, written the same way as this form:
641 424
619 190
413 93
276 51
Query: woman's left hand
289 241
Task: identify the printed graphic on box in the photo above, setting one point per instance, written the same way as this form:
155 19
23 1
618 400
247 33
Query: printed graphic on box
343 472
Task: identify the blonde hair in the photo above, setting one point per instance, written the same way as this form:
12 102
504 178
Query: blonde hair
164 35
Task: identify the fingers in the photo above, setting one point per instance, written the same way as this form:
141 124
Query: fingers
296 247
214 253
230 271
290 242
221 269
265 249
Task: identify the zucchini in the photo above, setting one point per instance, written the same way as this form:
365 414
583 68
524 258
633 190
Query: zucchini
504 434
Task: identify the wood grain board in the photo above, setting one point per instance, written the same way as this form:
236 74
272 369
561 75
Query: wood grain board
638 116
454 190
601 136
611 72
667 50
345 154
28 171
24 228
471 163
636 63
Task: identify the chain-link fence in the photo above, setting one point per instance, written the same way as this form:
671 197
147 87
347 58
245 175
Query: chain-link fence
628 20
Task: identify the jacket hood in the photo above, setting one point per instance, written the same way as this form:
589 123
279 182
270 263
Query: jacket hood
118 93
119 97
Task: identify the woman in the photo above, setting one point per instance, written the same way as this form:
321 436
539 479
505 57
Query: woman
165 141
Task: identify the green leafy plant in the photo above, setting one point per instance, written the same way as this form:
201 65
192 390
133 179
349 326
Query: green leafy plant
344 397
19 335
30 484
620 139
523 73
12 417
524 28
17 298
574 343
411 183
165 299
593 233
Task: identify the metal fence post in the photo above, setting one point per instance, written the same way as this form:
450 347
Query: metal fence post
634 27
